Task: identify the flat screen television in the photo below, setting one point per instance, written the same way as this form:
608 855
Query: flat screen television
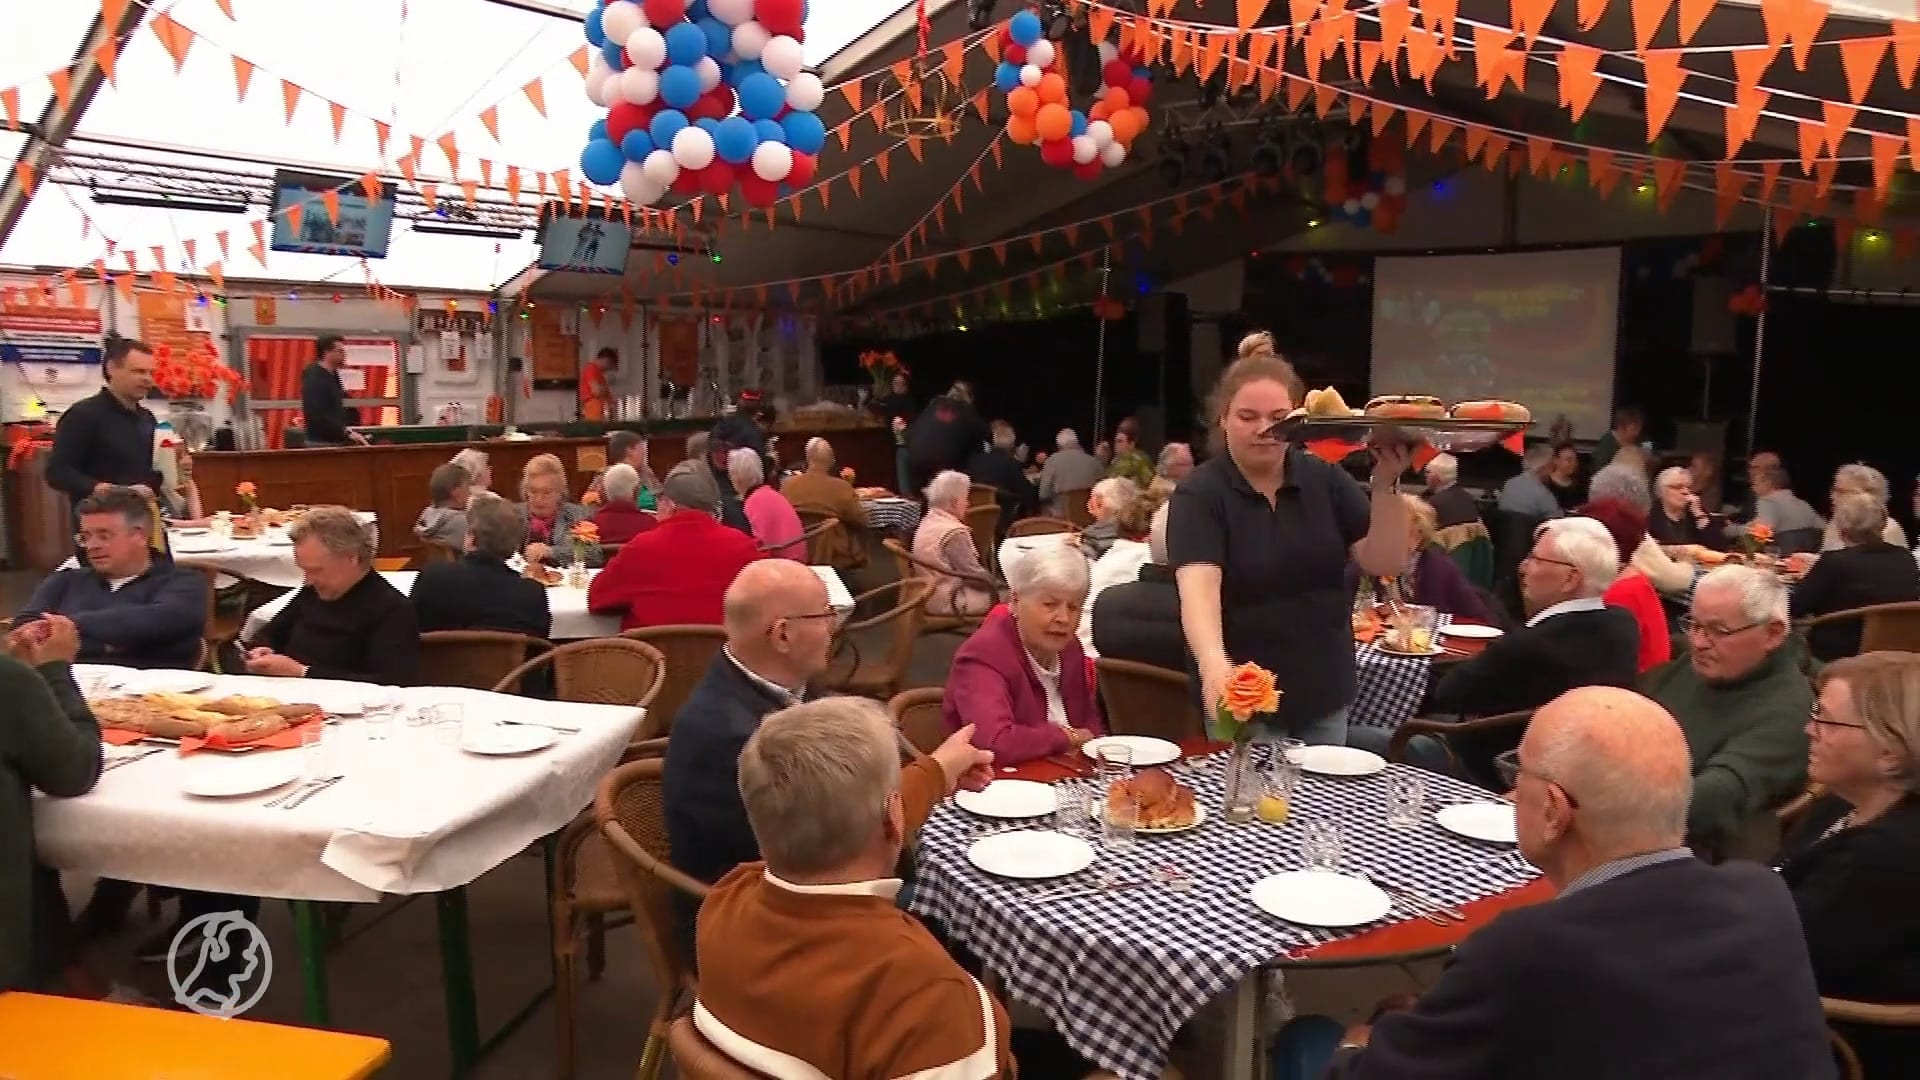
364 226
590 243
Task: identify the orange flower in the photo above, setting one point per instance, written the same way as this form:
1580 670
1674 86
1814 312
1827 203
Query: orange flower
846 474
585 532
1249 692
1761 532
591 498
246 490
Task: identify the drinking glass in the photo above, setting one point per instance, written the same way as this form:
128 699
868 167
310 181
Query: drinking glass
1276 793
1115 762
1414 627
313 751
1119 814
449 725
378 724
1321 844
1508 764
1406 798
1070 810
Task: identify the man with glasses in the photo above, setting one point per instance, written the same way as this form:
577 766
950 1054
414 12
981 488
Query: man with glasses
1647 962
133 606
780 626
1743 703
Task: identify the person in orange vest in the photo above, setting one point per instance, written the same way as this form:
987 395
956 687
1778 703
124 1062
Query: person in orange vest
596 397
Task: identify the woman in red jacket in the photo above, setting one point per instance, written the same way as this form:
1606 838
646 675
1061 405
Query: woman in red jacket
1631 590
1021 679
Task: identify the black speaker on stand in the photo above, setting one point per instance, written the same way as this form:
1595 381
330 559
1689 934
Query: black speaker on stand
1165 327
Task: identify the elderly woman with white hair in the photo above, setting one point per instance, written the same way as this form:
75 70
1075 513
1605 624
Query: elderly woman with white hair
620 518
479 468
1022 679
1126 555
1109 499
1452 504
1861 479
776 525
1069 468
1677 519
1866 570
945 541
1627 483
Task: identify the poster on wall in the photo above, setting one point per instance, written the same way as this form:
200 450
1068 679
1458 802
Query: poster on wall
553 352
679 351
163 321
53 345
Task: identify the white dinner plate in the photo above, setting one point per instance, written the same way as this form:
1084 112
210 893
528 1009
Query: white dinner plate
1031 854
166 682
1009 799
1147 750
1320 898
200 545
1471 630
1431 651
1493 822
222 776
191 532
1337 760
504 739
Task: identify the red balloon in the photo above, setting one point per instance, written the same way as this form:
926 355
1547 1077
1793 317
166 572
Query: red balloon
758 193
625 116
1089 171
1014 54
664 12
715 104
1117 73
717 178
1139 90
778 16
805 166
1058 153
687 183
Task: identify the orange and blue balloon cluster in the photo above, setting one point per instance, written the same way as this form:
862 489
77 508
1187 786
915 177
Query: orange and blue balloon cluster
1033 76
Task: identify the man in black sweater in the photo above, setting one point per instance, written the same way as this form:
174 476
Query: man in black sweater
995 464
1140 620
346 622
323 398
779 625
1648 963
944 436
107 440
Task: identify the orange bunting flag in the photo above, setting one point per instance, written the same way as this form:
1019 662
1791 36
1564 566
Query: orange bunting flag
1529 16
218 273
1750 64
1586 14
1859 60
430 195
242 77
1439 132
1664 78
486 173
513 183
1579 67
1744 116
1906 51
10 102
382 131
853 180
452 150
339 114
536 92
885 164
407 166
1669 176
1692 14
1837 118
190 246
472 191
490 119
104 58
220 240
1886 153
578 58
1728 183
1248 13
62 80
23 172
1647 15
1476 141
176 39
370 184
290 96
330 199
295 211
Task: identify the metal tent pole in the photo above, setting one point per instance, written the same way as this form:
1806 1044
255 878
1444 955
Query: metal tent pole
1759 331
1100 354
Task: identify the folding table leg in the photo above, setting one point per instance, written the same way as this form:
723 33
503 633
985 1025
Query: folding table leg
310 937
456 972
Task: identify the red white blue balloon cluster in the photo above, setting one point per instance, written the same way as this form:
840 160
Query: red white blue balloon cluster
702 96
1032 75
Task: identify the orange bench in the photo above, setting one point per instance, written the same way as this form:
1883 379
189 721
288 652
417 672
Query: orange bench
56 1038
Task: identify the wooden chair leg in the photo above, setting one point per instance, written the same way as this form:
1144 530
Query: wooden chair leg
596 946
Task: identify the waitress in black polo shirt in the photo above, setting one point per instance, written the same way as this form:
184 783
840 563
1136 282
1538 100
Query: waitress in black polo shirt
1260 536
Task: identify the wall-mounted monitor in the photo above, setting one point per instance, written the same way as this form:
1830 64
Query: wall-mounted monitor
589 243
361 227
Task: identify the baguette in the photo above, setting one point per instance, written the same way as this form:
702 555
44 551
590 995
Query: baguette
248 729
1406 407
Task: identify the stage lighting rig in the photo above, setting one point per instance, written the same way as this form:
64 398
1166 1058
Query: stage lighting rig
980 14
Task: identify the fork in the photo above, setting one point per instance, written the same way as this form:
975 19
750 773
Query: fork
315 788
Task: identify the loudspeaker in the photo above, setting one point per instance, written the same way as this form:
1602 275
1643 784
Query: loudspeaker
1176 364
1713 324
1806 257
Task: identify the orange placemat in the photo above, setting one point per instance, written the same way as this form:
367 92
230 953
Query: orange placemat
114 736
289 739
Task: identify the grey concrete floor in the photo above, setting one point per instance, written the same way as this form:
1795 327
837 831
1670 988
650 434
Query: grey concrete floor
385 978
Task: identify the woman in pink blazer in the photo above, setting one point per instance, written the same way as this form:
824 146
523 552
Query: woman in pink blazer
1022 679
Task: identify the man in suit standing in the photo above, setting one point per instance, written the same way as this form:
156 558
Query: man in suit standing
1648 963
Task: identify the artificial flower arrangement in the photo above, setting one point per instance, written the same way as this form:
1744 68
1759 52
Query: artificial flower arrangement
592 498
197 374
881 367
1249 694
846 473
1756 538
249 495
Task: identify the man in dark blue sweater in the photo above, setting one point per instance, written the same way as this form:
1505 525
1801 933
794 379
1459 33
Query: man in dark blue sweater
134 606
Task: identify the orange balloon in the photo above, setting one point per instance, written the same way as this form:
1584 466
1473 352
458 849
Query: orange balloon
1022 101
1100 111
1052 89
1020 129
1116 98
1053 121
1125 126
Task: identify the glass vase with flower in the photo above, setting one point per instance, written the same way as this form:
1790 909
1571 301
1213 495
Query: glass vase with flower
1249 695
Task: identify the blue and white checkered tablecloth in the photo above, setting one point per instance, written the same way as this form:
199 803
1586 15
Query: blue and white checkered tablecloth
1388 688
1118 973
900 517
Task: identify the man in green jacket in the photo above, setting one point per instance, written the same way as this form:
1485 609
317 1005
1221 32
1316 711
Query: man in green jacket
1743 702
49 741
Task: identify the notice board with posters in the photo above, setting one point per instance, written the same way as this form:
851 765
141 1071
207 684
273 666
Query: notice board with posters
679 351
553 349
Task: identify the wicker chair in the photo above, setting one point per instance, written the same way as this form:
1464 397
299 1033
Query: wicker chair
697 1059
912 568
630 809
689 648
1074 504
480 659
1515 722
984 520
433 551
981 495
227 608
1883 627
1866 1014
917 716
598 671
1145 700
1041 526
822 533
881 678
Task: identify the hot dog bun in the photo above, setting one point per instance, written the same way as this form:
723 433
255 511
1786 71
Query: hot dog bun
1508 411
1406 407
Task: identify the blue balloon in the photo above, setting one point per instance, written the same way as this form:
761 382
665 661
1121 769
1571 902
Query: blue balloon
1142 73
761 96
734 140
1006 77
719 36
637 145
697 10
744 68
686 44
805 133
596 30
666 124
707 124
769 131
1025 27
680 87
1079 127
616 54
601 162
598 130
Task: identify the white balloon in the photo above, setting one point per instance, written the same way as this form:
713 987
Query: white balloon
661 168
1040 53
635 184
1109 52
709 71
1030 75
1370 200
640 85
1351 206
621 18
1112 154
693 148
597 84
772 161
748 39
806 92
1396 185
782 58
731 12
647 49
1100 132
1085 150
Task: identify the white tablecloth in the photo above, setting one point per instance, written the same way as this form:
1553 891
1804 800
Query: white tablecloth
266 559
411 816
571 619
